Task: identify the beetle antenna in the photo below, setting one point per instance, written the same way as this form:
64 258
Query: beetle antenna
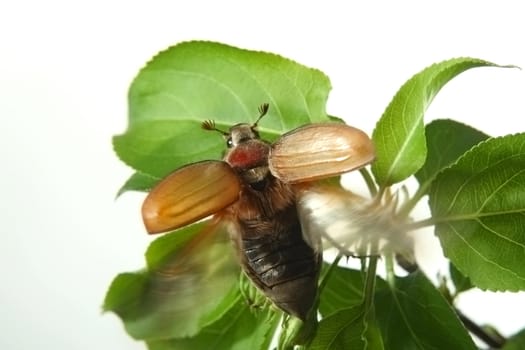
263 109
210 125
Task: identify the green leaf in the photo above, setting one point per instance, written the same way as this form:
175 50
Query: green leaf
182 290
374 339
343 329
123 295
349 328
461 283
158 147
138 182
343 290
414 315
194 81
399 135
478 205
238 329
335 119
446 141
516 342
168 245
341 295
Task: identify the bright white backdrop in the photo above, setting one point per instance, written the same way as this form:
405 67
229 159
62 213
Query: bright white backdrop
64 71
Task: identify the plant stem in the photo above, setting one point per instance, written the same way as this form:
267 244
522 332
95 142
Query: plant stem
324 280
420 224
369 181
390 276
410 204
492 340
370 282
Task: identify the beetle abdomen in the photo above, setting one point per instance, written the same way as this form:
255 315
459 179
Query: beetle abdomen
278 260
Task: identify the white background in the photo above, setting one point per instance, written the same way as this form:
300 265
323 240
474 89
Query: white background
64 72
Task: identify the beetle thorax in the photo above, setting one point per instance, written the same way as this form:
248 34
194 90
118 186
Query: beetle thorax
248 155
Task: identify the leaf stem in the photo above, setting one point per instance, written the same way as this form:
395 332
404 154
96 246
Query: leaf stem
390 276
420 224
409 205
327 274
370 283
369 181
381 193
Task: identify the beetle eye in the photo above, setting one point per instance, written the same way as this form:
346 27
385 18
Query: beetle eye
229 142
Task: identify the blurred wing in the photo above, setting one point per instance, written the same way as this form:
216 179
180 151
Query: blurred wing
194 273
190 194
354 225
318 151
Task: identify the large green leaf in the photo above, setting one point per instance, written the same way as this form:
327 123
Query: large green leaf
182 291
343 329
195 81
399 135
478 205
239 329
446 141
414 315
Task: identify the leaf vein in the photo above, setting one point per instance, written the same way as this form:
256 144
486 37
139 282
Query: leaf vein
500 235
410 134
496 190
453 229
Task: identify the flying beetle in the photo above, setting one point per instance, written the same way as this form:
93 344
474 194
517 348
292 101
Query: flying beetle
257 191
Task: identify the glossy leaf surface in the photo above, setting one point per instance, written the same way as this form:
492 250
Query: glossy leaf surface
343 329
195 81
478 205
399 135
447 140
414 315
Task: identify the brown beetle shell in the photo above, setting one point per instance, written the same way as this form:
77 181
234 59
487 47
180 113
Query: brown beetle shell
318 151
255 190
189 194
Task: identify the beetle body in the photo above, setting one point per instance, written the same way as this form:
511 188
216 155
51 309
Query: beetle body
266 229
256 190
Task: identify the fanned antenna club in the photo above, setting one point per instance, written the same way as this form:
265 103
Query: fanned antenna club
210 125
263 109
